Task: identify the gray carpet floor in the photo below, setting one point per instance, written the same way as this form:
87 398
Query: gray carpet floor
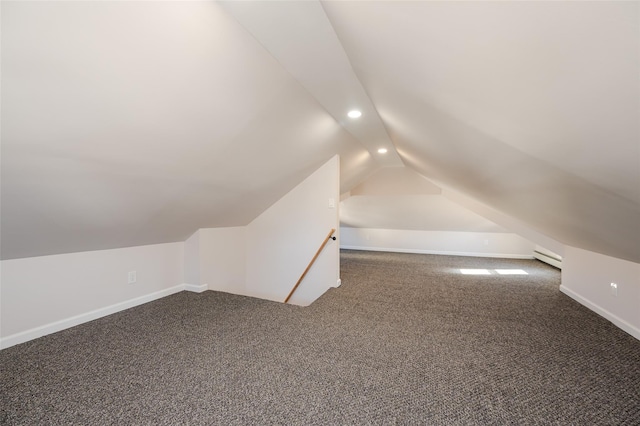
407 339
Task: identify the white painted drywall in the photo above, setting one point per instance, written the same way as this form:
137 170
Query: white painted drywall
415 212
265 258
192 259
520 124
222 259
395 181
41 291
283 240
509 222
587 277
484 244
302 40
41 295
396 209
131 123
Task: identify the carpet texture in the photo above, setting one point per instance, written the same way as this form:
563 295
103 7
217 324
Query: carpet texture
407 339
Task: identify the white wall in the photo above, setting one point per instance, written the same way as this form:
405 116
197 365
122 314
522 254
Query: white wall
394 181
412 212
396 209
42 295
400 198
587 278
283 240
192 259
223 258
485 244
508 222
265 258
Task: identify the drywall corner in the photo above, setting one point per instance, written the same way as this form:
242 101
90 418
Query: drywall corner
508 222
587 278
283 239
222 259
192 259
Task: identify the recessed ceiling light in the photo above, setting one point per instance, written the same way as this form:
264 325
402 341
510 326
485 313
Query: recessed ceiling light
354 113
382 151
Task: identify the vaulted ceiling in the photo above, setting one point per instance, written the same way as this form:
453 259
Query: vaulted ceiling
131 123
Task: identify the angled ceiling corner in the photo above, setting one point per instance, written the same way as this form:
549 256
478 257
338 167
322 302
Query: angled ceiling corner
302 39
120 127
542 125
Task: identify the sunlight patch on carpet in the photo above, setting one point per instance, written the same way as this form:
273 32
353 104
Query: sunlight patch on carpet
475 272
512 272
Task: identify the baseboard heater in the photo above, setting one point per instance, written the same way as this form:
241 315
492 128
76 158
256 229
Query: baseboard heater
548 259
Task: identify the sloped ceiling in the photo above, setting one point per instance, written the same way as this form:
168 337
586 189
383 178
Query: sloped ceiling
130 123
400 198
532 107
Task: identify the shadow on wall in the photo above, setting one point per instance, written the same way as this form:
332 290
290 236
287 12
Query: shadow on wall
569 208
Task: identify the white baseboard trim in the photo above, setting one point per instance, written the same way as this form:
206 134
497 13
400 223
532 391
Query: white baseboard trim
446 253
617 321
542 257
196 288
56 326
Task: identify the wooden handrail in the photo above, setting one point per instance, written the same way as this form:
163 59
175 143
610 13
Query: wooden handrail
324 243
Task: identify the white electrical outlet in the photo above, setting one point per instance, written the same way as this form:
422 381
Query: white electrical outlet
132 277
614 289
332 203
